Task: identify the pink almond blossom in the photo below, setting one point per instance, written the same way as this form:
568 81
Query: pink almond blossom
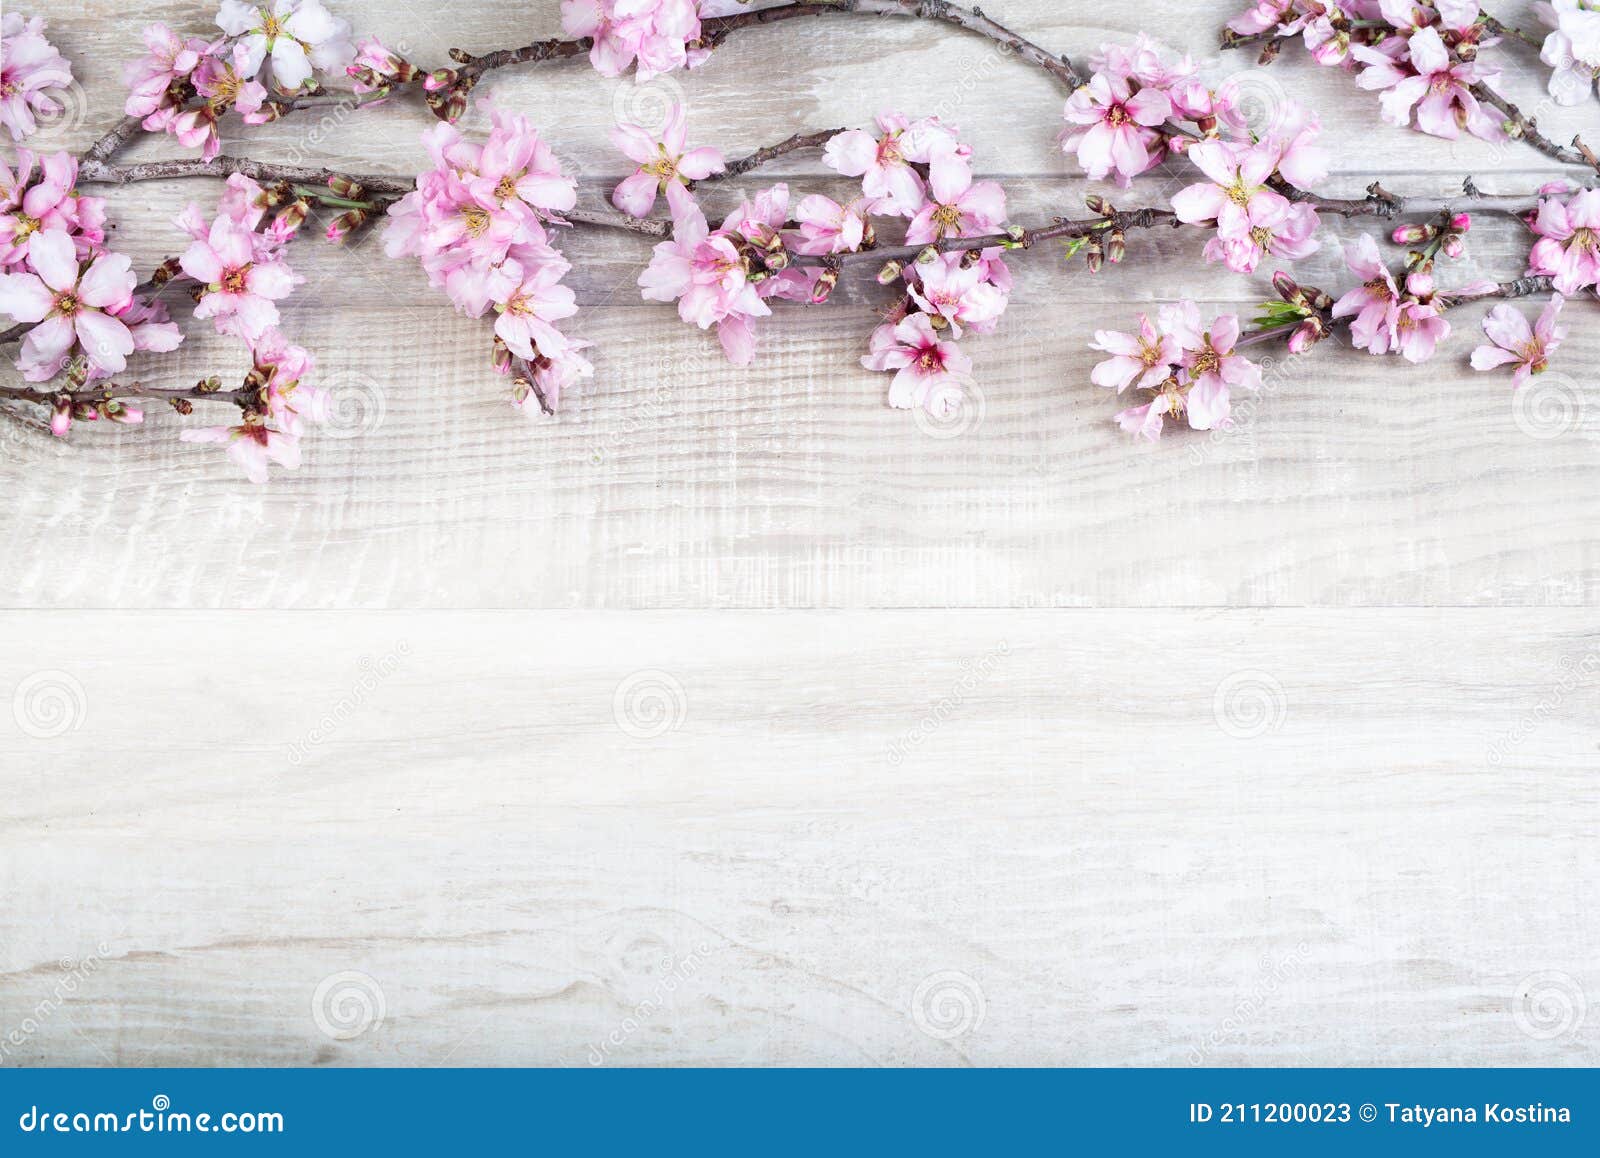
237 290
1420 326
32 71
69 308
1237 192
1374 305
252 445
1143 359
884 163
928 371
1568 248
665 166
958 206
1113 128
529 306
1512 342
957 294
1437 88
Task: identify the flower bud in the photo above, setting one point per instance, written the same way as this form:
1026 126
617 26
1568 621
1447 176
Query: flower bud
824 286
342 226
1288 289
1098 205
501 357
1412 234
345 187
890 273
1094 255
85 412
1116 247
292 216
439 79
61 417
1454 245
1461 222
182 406
928 256
166 271
1307 334
118 411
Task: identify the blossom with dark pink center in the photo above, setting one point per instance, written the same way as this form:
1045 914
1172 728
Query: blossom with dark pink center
928 370
1112 128
236 289
32 72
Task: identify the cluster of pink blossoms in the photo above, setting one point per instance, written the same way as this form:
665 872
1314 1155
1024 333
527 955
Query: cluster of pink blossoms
654 36
183 85
918 171
59 280
478 221
1572 49
236 259
1189 367
31 73
1137 109
1421 56
1568 229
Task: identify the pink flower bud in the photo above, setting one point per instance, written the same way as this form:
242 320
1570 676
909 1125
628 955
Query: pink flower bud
61 417
1412 234
1461 222
1307 334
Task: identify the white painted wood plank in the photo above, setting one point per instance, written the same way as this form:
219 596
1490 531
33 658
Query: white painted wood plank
675 480
1293 837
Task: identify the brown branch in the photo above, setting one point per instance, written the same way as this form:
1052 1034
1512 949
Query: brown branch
1523 127
103 173
715 31
771 153
108 391
1378 203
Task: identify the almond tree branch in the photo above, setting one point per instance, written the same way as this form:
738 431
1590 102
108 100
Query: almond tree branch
714 31
1378 203
107 391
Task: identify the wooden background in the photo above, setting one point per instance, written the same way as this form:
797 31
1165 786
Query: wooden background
734 718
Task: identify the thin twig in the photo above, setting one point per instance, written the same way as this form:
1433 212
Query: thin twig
772 152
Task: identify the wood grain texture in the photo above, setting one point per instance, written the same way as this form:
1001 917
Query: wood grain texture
675 480
1304 772
1326 837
